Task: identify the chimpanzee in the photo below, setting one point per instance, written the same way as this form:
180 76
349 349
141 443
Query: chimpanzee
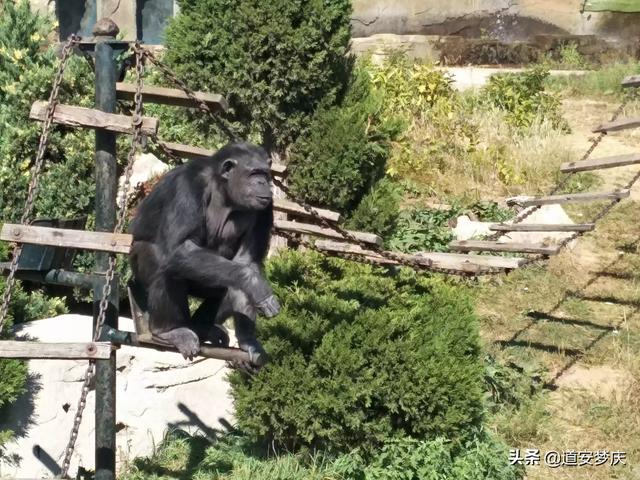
204 230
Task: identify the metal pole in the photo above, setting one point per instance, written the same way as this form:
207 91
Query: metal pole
105 33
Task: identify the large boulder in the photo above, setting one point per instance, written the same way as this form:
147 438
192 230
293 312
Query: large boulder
156 392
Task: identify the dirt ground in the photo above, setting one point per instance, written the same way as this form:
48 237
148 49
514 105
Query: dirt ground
578 321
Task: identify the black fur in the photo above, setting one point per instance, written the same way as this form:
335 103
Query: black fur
204 230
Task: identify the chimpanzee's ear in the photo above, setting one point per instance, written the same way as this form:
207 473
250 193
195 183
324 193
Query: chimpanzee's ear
228 165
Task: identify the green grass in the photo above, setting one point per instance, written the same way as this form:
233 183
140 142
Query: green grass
601 83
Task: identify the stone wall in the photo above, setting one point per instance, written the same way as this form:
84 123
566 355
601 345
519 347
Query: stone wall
505 20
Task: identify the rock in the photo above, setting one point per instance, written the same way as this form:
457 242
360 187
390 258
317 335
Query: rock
467 229
156 391
381 45
145 167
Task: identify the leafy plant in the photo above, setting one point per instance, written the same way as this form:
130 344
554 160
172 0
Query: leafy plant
423 229
275 62
379 209
359 358
523 97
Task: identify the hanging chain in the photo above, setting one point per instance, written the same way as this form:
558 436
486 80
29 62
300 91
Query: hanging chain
136 140
35 172
173 78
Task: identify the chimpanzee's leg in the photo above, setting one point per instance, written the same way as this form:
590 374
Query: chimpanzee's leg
204 320
166 299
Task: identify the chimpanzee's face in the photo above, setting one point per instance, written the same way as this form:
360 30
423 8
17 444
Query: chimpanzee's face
248 177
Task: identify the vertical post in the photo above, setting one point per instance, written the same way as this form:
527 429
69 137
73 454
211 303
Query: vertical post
105 32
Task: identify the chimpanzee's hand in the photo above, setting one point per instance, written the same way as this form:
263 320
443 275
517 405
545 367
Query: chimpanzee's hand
269 307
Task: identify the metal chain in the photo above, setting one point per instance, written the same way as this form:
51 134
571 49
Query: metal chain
35 173
202 105
136 139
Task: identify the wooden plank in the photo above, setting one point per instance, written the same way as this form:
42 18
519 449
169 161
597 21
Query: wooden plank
542 227
454 261
188 151
488 246
526 201
72 116
631 81
308 229
58 237
601 163
171 96
286 206
618 125
55 351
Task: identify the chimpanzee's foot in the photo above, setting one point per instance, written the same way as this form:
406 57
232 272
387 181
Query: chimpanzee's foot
184 339
257 355
269 307
218 336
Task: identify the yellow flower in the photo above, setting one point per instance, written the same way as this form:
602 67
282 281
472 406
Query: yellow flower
36 37
18 54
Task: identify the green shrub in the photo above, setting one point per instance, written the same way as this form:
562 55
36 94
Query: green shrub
345 150
274 61
523 97
379 209
359 357
230 458
423 229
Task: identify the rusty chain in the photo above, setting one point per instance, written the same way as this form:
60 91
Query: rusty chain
387 255
136 140
35 172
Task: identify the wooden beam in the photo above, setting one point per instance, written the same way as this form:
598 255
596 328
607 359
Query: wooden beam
55 351
618 125
601 163
293 208
72 116
542 227
488 246
453 261
526 201
187 151
631 81
171 96
315 230
58 237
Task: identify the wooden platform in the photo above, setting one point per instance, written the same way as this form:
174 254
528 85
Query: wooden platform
171 96
526 201
58 237
488 246
454 261
601 163
71 116
286 206
315 230
618 125
55 351
542 227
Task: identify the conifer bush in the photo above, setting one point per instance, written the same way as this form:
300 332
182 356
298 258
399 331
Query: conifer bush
359 357
274 61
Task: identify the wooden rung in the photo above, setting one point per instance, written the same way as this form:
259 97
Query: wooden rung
488 246
171 96
287 206
526 201
542 227
55 351
58 237
187 151
631 81
308 229
618 125
72 116
601 163
453 261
